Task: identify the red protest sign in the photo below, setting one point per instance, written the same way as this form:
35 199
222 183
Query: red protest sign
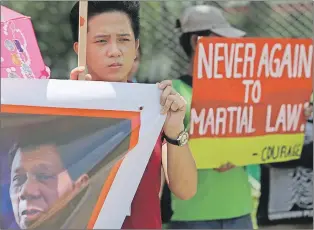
248 99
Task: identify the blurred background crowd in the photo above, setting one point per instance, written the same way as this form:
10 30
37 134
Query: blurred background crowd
162 57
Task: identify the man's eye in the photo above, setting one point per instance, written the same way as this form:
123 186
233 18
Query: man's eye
19 179
124 39
43 177
101 41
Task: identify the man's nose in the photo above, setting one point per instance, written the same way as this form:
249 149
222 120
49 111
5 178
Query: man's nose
113 50
30 189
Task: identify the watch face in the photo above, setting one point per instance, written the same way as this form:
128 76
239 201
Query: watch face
184 137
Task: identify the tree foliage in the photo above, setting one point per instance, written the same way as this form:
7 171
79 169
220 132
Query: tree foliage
162 56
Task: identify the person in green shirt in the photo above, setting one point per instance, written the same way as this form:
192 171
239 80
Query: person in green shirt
223 199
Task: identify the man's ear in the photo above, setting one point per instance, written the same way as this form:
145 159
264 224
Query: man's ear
82 181
137 44
193 41
75 47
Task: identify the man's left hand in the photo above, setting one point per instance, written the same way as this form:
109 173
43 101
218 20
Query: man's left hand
225 167
174 105
308 111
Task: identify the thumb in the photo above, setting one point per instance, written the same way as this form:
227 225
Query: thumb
88 77
74 75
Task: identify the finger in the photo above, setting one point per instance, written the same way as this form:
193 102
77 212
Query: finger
174 106
88 77
217 169
230 166
178 103
308 111
165 94
220 170
164 84
167 106
76 71
173 91
225 167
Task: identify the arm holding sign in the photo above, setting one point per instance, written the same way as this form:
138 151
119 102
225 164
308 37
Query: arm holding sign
177 161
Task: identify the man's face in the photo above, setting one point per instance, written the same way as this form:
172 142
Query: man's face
194 40
38 180
111 47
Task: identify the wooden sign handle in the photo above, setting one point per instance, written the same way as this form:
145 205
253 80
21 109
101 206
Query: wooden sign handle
83 9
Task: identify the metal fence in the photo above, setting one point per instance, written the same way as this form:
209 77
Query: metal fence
162 56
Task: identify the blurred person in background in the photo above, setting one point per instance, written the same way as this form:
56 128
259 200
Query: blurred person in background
134 71
223 199
287 188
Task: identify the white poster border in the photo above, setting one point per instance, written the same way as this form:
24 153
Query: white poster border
102 96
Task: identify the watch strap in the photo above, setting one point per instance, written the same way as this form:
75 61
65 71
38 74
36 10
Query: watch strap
169 140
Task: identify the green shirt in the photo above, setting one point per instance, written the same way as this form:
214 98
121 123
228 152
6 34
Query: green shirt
219 195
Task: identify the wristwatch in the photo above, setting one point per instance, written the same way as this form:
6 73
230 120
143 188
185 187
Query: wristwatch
182 139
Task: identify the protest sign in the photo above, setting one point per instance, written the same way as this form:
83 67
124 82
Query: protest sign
248 100
73 152
20 53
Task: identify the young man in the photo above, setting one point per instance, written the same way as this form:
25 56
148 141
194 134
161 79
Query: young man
112 42
223 200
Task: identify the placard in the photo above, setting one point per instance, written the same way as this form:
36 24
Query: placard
71 149
248 100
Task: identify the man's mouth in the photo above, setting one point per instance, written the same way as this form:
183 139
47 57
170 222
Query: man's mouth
31 213
115 65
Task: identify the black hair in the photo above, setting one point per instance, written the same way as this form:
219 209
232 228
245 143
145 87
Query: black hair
46 132
77 157
12 153
131 8
185 40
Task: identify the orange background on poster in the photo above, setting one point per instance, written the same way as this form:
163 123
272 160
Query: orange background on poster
226 92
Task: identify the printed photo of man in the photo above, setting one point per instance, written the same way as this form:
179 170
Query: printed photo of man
58 167
38 180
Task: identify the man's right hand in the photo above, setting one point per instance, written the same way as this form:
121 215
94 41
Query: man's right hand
225 167
308 110
74 75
